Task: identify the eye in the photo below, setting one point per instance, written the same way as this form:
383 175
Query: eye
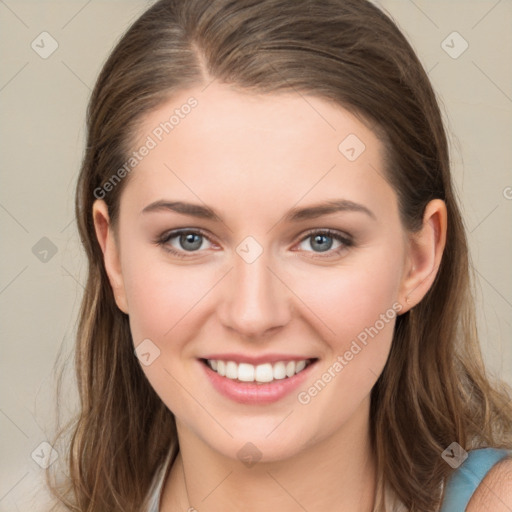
322 241
181 241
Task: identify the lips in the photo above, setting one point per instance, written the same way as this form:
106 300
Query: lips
260 385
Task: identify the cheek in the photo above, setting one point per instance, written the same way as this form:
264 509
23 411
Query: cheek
349 299
162 299
360 305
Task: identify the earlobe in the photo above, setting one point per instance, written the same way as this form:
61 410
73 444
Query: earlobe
109 247
425 252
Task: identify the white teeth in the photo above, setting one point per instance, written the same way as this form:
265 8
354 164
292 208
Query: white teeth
231 370
290 368
266 372
300 366
245 372
279 370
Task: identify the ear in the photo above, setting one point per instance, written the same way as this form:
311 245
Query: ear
425 251
109 245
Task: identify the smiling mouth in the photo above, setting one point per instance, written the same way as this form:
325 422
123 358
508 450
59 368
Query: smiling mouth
260 374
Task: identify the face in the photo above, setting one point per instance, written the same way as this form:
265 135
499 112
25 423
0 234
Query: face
256 271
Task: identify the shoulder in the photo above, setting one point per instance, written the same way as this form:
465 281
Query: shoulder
494 494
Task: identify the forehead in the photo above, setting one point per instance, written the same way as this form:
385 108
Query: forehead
241 147
235 118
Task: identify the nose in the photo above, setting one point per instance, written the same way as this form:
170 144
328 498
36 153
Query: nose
255 300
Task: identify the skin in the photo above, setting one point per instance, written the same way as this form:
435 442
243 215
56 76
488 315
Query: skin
494 494
251 159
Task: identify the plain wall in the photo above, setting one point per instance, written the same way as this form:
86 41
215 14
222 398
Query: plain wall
42 118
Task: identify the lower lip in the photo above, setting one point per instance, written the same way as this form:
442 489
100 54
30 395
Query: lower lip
252 393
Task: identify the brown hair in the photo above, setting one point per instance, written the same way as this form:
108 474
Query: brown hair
433 389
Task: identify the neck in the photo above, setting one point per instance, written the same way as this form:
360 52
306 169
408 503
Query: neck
336 473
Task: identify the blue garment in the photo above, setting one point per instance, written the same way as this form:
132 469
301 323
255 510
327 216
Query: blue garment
467 477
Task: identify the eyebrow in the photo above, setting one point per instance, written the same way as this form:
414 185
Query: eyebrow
294 215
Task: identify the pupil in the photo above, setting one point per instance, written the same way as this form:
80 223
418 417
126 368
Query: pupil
322 247
189 238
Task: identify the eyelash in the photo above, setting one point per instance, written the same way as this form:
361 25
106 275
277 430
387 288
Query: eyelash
345 240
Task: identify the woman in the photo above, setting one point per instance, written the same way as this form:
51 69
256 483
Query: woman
314 347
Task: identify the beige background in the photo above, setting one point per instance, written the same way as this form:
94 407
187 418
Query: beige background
42 116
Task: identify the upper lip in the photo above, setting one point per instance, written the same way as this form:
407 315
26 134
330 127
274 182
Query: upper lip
255 360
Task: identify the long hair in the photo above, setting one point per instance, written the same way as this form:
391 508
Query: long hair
433 390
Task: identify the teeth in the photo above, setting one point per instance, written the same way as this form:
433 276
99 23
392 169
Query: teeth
279 371
231 370
300 366
245 372
266 372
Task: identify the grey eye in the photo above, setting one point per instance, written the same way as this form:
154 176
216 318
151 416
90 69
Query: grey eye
321 242
188 241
